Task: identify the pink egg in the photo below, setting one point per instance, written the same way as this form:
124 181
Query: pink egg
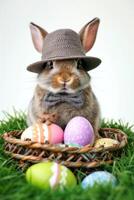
43 133
57 134
79 131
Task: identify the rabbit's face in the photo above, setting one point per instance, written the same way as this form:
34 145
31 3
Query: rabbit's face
62 76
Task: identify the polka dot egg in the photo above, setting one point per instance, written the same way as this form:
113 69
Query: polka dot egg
42 133
79 132
47 175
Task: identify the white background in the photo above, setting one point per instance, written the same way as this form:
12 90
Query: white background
112 81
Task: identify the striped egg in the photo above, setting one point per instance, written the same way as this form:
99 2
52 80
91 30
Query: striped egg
48 174
43 133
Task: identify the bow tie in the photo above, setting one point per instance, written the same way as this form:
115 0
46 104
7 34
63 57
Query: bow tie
51 99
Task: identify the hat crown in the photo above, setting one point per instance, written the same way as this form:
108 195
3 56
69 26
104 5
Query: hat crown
62 43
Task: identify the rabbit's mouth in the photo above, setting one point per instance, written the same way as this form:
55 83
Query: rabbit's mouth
65 90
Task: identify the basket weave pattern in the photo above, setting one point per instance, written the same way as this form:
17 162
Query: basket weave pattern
87 156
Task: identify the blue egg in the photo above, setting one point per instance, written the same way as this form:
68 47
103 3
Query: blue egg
99 177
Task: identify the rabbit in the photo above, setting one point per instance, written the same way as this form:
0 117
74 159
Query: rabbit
65 77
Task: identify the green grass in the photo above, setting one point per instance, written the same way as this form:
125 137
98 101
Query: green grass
13 185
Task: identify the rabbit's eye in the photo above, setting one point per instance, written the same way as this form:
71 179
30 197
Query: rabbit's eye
49 65
80 65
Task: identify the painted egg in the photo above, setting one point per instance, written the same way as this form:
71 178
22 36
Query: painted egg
74 145
43 133
106 142
99 177
79 131
47 175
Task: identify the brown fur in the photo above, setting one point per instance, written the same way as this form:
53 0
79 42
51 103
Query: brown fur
65 111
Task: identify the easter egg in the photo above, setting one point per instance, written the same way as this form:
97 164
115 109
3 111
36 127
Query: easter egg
47 175
79 131
106 142
42 133
74 145
99 177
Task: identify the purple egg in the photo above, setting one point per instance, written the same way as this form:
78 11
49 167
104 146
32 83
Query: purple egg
79 131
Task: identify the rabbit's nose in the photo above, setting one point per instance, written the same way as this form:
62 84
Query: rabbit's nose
67 80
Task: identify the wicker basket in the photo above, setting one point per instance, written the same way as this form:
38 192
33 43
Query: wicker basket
28 152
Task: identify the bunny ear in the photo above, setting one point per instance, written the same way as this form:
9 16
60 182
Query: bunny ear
88 34
38 34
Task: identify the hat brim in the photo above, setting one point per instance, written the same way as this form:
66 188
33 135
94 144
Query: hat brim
89 63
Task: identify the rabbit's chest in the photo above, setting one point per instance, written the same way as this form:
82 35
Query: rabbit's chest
65 112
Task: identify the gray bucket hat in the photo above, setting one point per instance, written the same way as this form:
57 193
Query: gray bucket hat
60 45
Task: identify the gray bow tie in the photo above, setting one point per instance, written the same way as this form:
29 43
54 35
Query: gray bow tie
77 99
